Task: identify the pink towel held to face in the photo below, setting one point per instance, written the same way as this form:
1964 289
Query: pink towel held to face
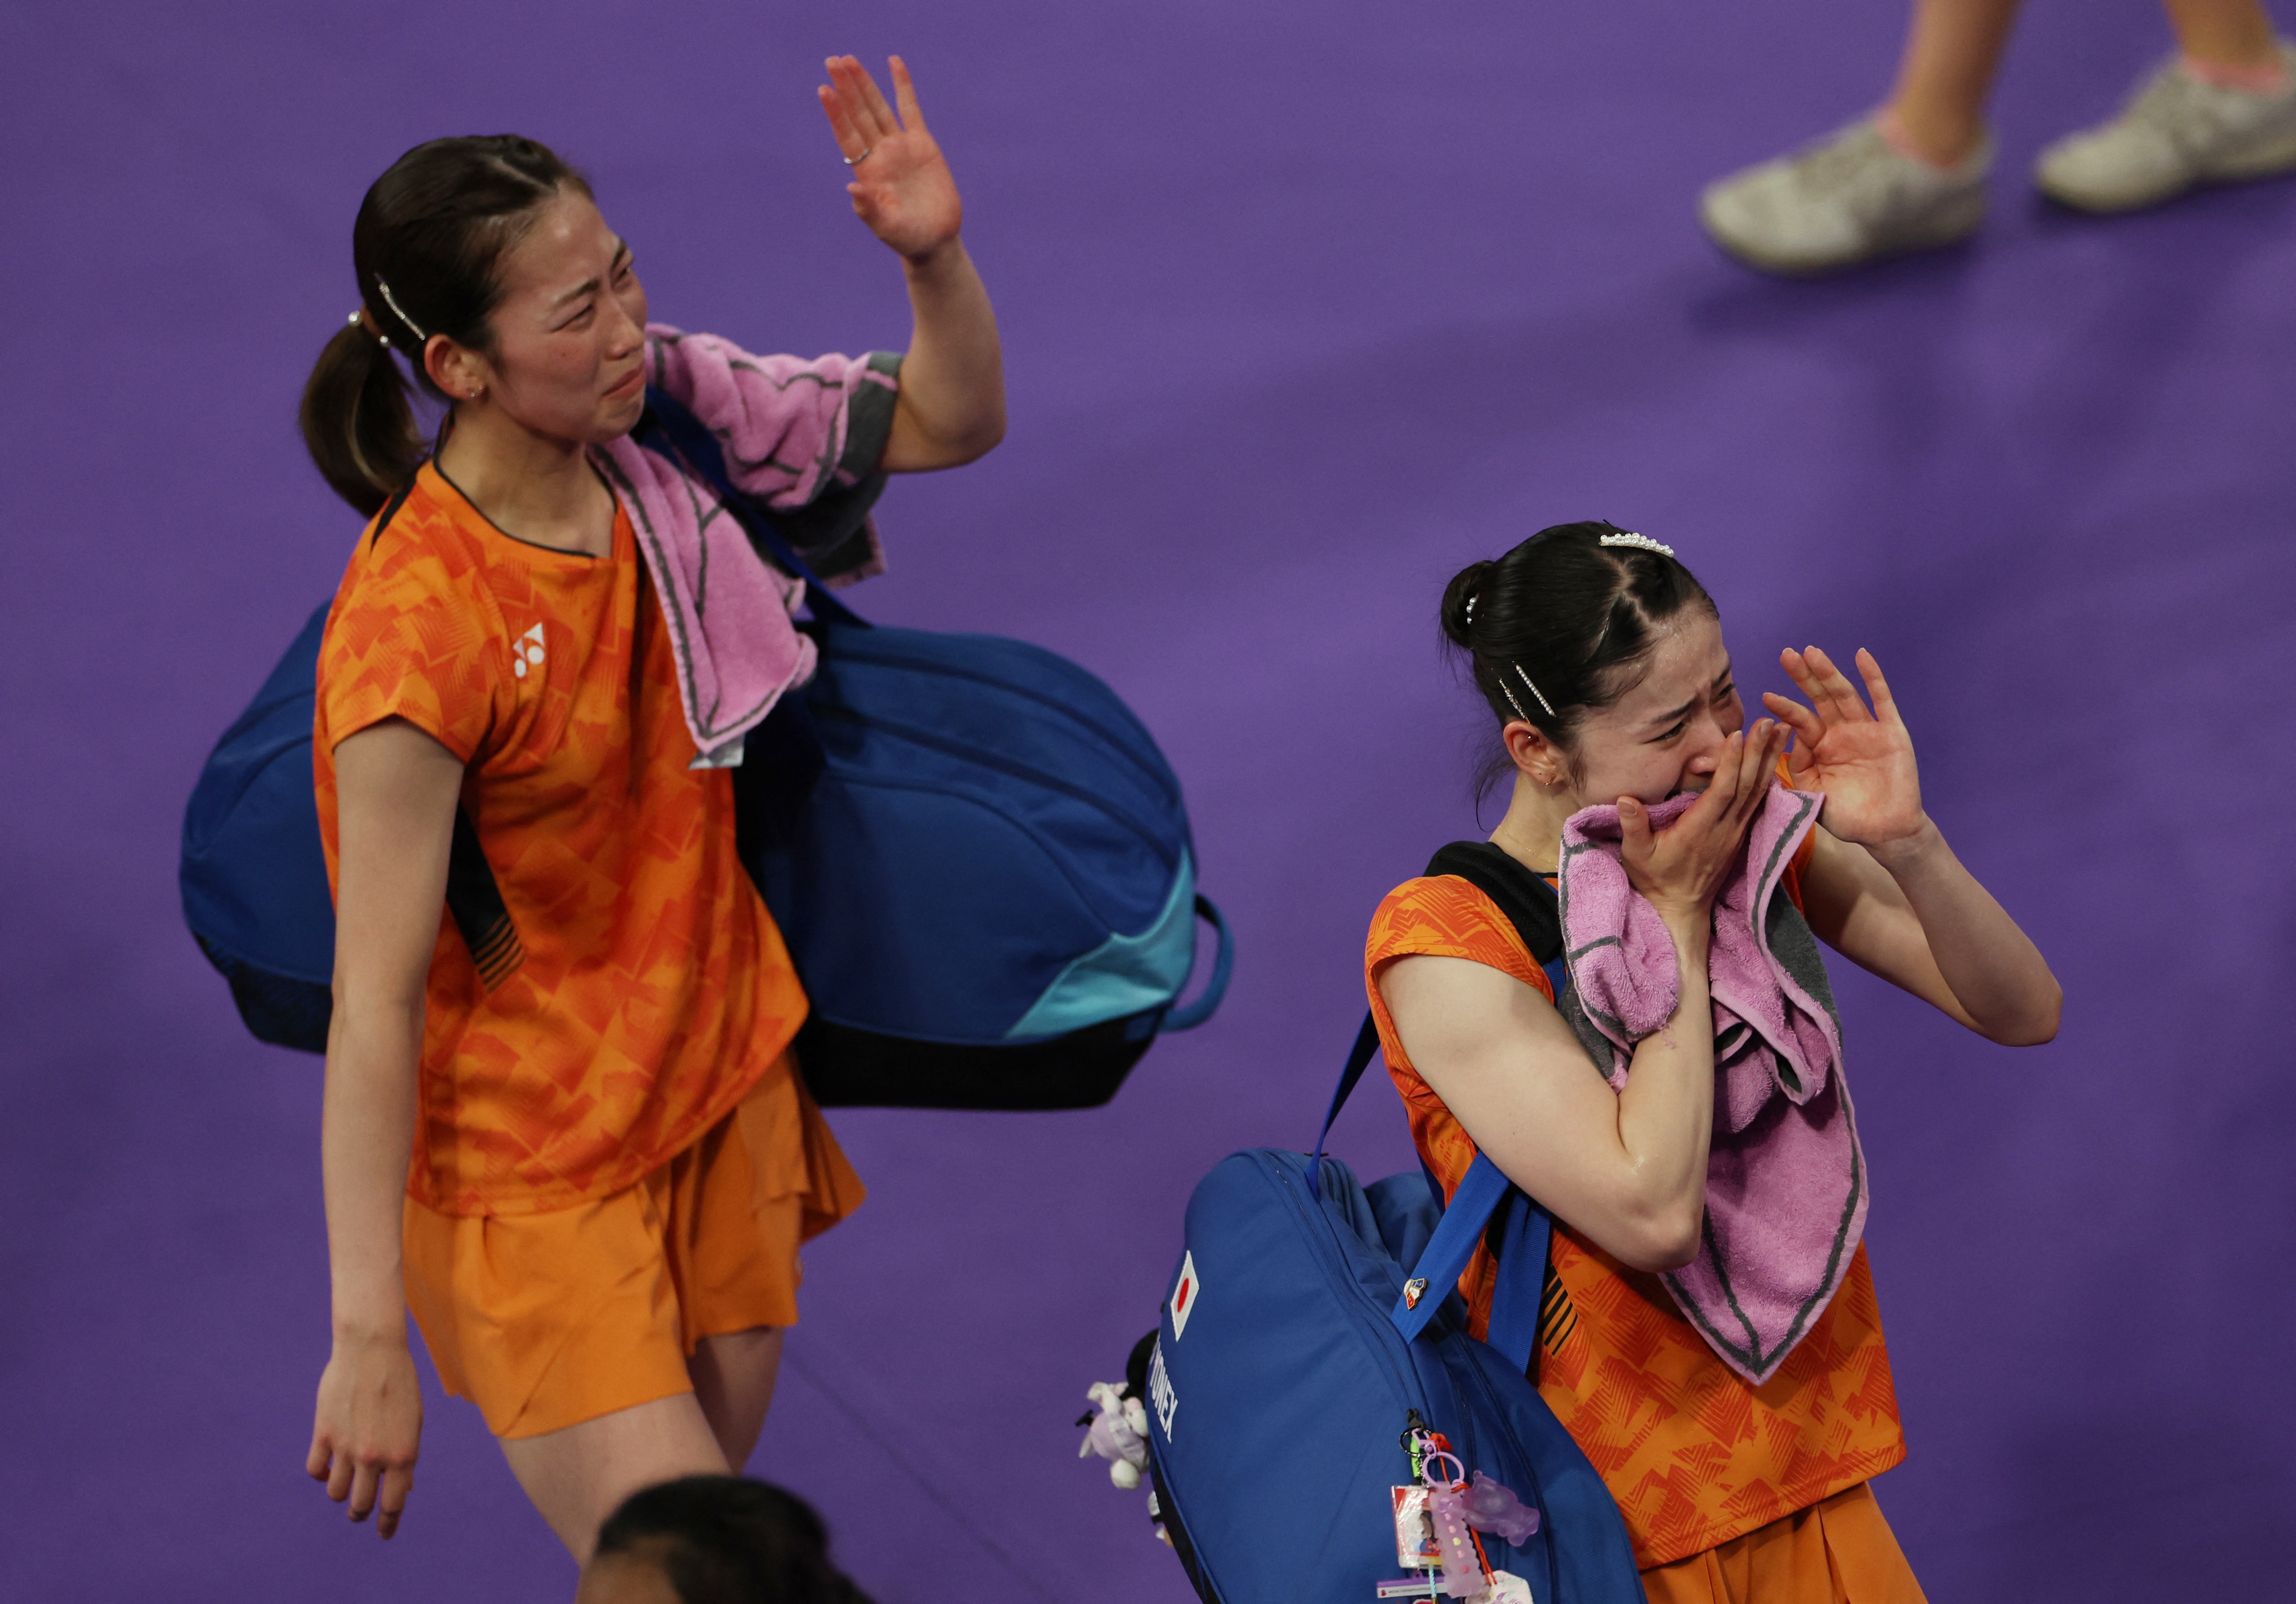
1785 1178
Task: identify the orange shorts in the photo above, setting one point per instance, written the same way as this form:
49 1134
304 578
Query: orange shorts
1837 1551
544 1320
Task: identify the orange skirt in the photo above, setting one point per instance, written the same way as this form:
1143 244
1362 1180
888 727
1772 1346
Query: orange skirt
1836 1551
545 1320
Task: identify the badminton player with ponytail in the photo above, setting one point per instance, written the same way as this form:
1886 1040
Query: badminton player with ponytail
580 1152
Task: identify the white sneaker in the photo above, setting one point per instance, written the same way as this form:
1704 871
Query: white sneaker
2176 134
1851 197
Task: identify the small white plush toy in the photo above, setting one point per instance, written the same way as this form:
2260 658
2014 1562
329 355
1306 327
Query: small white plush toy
1118 1434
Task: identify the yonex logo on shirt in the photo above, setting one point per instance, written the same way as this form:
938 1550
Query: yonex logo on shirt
526 649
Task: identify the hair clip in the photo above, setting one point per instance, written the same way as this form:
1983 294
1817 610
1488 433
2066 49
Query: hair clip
360 320
399 312
1535 691
1623 538
1507 691
1471 594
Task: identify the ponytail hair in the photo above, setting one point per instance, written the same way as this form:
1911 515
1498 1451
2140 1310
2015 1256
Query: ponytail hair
1564 625
426 247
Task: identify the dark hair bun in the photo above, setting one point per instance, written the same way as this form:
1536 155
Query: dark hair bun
1564 618
1458 601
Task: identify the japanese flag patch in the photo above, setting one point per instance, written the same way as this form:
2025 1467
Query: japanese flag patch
1184 1296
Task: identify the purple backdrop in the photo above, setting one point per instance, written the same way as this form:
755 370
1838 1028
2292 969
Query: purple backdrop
1304 306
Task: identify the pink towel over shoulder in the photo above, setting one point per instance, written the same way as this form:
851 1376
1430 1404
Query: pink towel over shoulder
793 432
1785 1177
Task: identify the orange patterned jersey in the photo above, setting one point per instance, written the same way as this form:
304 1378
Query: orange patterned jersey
1693 1455
654 990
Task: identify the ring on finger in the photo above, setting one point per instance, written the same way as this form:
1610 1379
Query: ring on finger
857 161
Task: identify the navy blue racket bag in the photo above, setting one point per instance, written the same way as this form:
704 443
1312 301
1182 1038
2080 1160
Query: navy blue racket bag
1311 1325
979 858
253 875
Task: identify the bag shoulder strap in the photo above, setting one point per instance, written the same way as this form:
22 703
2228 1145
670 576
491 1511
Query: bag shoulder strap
1486 1202
390 509
1518 1231
474 898
1527 900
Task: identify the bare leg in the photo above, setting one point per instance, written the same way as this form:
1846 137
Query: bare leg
578 1475
1952 50
2228 33
734 1378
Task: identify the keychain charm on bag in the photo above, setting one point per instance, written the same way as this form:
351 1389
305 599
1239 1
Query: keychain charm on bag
1466 1573
1436 1521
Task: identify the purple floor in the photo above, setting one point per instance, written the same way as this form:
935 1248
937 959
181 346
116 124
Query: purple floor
1304 306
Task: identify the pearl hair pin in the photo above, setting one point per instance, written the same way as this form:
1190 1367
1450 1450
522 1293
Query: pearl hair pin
1639 542
399 312
1535 691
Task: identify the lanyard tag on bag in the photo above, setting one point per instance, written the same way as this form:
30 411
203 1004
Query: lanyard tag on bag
1415 1548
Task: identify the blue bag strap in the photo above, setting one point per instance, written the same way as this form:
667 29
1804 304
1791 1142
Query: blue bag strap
1522 1236
1482 1191
1522 1247
1525 1229
669 417
1520 1244
1358 1060
1187 1016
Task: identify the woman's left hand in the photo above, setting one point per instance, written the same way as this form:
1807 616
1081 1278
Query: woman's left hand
1863 761
901 185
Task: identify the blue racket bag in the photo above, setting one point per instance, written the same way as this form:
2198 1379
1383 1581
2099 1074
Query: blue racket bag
253 876
1312 1323
980 859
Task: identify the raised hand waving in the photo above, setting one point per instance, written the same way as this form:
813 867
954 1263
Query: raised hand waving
901 187
1862 760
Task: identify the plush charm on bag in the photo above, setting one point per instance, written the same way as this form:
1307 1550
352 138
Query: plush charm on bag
1118 1434
1117 1429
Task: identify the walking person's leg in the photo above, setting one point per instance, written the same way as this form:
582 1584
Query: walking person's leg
1910 176
734 1377
2222 110
2226 34
1937 109
577 1474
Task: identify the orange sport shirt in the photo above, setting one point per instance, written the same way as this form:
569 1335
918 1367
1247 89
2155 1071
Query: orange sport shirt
655 991
1694 1456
